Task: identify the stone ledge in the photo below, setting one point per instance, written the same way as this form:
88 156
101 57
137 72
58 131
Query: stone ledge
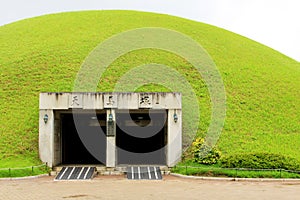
23 178
236 179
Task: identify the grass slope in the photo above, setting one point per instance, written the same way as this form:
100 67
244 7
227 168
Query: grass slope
44 54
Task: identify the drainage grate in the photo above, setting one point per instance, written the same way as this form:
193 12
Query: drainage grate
142 173
76 173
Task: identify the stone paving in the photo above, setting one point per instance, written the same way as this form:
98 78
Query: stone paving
118 187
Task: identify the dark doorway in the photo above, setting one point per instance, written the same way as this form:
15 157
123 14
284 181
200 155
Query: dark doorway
141 137
90 146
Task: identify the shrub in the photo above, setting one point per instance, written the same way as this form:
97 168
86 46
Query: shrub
203 154
260 161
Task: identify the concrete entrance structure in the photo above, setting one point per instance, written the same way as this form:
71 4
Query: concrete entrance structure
122 128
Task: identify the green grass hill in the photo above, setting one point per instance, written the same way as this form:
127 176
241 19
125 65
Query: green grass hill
45 53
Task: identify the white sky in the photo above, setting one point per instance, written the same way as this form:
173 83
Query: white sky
275 23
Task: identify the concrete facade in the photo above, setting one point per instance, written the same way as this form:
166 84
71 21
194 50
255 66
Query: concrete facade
52 105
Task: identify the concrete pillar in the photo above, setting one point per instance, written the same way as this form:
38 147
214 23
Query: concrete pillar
46 137
174 146
111 140
57 141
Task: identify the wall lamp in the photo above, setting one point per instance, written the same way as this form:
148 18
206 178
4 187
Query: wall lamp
175 117
46 118
110 118
110 127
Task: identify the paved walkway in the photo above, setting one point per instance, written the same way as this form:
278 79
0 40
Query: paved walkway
118 187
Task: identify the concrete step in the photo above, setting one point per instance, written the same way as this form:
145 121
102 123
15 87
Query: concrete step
75 173
103 170
144 173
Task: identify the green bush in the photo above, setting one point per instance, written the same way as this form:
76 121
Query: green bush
203 154
260 161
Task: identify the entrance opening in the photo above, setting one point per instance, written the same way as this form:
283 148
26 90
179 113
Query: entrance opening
77 150
141 137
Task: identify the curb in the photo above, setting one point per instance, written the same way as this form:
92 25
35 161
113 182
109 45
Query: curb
235 179
23 178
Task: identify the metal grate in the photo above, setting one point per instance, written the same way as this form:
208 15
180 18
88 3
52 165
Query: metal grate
143 173
76 173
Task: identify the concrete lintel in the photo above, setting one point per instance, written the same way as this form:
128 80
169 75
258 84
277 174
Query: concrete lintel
63 101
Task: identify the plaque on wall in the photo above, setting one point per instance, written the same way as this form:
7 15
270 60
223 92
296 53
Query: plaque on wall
110 101
145 101
75 101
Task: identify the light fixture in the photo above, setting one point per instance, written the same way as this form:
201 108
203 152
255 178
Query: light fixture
110 127
46 118
110 118
175 117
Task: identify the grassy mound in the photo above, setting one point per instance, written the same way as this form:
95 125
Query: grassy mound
45 53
